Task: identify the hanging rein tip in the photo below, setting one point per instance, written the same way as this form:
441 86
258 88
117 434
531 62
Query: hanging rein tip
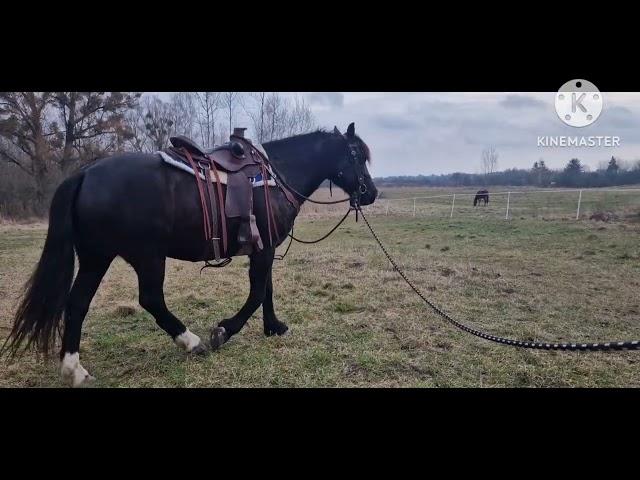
222 263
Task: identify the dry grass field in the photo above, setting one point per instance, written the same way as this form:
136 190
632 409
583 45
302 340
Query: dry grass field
354 323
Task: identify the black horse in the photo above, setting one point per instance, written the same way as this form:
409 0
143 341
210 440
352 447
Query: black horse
139 208
482 195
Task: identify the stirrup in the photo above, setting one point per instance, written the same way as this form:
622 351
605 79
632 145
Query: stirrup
220 264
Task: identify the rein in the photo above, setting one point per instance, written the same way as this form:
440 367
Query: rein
567 346
282 184
310 242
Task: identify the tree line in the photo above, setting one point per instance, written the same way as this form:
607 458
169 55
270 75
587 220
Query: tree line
46 135
615 172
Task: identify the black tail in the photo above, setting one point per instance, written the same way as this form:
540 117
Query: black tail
37 319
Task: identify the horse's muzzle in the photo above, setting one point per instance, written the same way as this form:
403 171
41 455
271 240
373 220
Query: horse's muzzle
367 198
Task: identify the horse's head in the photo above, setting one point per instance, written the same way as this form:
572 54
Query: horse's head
351 172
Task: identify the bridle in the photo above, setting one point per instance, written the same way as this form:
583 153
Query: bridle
352 160
356 159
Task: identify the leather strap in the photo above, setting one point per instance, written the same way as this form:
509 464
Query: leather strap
214 221
203 204
223 215
267 202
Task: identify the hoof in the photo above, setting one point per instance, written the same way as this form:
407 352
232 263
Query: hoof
83 382
74 373
279 329
218 337
200 349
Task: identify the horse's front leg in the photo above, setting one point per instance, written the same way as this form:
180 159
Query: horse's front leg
272 326
259 272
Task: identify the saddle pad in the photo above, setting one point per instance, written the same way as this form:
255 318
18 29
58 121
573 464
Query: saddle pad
256 181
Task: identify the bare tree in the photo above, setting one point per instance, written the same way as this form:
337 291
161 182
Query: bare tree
158 121
299 117
207 106
183 107
230 101
28 143
138 139
256 111
90 123
271 115
275 114
489 160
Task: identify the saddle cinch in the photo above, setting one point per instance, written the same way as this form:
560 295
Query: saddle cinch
239 164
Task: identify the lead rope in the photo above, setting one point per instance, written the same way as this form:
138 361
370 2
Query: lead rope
570 346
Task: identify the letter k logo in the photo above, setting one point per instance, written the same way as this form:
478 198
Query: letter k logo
577 103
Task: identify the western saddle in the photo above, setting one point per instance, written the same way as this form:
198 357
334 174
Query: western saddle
242 163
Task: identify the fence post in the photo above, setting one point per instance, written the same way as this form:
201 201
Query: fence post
579 202
452 204
414 207
387 212
506 217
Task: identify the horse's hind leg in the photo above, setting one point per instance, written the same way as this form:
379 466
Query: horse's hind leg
90 274
150 280
272 326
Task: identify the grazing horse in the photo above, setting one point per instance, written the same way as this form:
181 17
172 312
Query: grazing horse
138 207
482 195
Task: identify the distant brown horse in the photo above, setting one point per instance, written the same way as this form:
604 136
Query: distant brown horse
480 196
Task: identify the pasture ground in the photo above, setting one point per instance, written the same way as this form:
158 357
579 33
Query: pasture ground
355 323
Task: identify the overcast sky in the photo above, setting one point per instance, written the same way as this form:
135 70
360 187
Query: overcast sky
425 133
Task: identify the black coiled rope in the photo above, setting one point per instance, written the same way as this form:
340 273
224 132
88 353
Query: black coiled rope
568 346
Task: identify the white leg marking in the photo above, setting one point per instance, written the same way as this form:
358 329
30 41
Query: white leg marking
73 371
188 341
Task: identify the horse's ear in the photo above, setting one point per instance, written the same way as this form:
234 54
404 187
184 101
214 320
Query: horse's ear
336 131
351 131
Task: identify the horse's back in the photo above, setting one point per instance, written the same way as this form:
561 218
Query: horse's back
124 197
135 201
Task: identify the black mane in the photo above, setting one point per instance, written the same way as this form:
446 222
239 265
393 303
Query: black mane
319 132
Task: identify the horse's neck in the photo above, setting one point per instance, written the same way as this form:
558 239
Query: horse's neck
299 170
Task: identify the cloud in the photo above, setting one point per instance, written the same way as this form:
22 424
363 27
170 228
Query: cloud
521 101
326 99
437 132
618 117
389 122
